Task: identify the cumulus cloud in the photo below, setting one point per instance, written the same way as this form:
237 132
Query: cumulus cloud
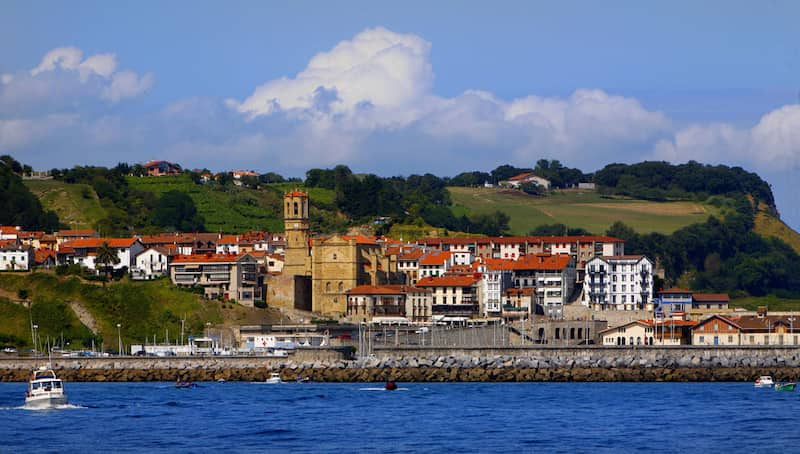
127 84
772 144
64 77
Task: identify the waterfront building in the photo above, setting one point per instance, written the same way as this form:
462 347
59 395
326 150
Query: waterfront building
455 297
518 303
226 276
389 304
623 282
497 278
675 331
553 277
760 329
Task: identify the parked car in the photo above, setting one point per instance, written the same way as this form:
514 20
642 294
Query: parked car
10 350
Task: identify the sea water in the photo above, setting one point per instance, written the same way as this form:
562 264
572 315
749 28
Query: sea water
418 417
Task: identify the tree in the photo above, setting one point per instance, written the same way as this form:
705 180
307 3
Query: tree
107 256
176 210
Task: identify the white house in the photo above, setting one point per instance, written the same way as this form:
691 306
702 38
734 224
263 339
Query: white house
623 282
435 264
151 263
84 251
497 278
648 332
15 256
455 297
528 177
228 244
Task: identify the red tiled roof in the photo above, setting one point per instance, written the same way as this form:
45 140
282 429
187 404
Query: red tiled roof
207 258
542 262
228 239
412 255
98 242
296 193
450 281
435 258
709 297
40 255
521 176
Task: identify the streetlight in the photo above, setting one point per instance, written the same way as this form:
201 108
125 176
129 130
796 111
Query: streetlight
119 337
35 339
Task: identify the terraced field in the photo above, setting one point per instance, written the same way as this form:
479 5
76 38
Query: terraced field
584 209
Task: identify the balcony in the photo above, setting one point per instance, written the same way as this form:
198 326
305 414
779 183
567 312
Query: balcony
462 310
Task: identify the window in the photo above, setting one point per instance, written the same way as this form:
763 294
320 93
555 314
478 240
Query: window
702 339
716 326
327 286
730 339
341 286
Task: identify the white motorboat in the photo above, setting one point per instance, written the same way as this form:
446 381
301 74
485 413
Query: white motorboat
274 378
45 390
764 381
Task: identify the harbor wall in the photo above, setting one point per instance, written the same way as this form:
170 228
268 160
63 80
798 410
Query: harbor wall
443 364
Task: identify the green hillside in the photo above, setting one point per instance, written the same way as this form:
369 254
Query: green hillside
768 225
225 209
142 308
584 209
76 205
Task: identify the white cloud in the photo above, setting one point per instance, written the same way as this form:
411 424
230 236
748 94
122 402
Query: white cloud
386 71
6 78
773 144
68 58
127 84
101 64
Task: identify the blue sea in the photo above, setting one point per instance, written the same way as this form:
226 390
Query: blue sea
418 417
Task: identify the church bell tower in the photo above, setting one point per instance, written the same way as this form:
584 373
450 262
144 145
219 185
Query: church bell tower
296 230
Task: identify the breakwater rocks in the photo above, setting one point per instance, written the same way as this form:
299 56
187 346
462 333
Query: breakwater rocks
438 365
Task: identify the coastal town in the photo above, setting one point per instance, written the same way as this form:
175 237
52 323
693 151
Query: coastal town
542 290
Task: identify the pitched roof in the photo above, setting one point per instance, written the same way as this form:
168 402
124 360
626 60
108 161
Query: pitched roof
436 258
89 243
414 254
40 255
462 280
542 262
711 297
296 193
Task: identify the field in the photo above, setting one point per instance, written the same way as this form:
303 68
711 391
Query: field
583 209
76 205
230 209
773 303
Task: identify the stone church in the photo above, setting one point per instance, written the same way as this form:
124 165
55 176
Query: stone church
318 271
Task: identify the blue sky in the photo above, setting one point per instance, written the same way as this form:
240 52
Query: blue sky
398 88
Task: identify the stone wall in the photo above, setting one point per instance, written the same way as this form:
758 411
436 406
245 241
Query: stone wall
444 364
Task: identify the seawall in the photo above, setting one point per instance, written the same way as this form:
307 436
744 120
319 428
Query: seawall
443 364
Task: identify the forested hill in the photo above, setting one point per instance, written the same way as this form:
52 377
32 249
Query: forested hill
18 206
663 181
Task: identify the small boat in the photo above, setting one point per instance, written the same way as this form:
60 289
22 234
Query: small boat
185 384
785 386
274 378
391 386
45 390
303 379
764 381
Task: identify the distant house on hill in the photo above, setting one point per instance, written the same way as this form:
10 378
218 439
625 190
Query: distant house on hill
517 180
161 168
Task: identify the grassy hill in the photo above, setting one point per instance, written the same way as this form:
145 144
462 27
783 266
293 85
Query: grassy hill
76 205
769 225
229 209
585 209
142 308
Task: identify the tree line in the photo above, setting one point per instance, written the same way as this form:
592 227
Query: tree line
18 205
